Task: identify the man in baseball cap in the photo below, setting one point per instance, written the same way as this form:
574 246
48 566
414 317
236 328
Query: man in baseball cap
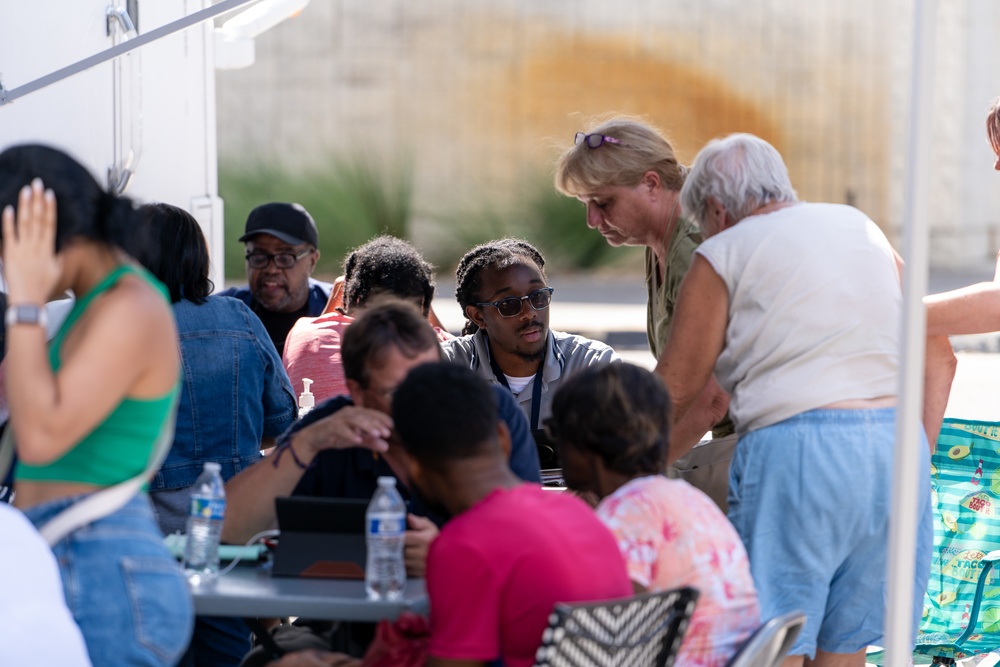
281 244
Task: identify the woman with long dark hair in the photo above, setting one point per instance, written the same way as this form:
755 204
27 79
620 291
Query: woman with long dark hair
88 410
235 397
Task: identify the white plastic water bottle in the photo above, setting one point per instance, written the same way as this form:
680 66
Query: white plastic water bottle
204 525
385 571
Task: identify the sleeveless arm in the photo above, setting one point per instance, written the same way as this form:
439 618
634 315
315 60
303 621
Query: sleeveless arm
126 346
696 340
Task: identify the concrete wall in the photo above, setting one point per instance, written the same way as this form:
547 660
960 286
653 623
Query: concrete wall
483 96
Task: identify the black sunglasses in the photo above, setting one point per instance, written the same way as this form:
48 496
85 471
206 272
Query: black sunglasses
511 306
595 140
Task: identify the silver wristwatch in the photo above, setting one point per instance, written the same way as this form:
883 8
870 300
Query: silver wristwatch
25 313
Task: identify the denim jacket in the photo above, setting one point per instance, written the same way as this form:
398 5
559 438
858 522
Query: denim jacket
234 391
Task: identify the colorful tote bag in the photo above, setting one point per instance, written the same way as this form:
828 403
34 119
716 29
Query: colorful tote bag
961 614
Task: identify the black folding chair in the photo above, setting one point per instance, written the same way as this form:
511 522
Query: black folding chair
641 631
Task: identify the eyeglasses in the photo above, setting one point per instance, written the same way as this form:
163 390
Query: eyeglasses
284 260
595 140
511 306
385 395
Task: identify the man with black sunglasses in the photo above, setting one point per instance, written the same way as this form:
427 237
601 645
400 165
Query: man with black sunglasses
502 290
282 251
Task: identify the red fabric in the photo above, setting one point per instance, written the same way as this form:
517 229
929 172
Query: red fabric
312 350
496 571
402 643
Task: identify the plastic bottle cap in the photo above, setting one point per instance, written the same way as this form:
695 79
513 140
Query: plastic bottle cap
306 399
213 466
387 481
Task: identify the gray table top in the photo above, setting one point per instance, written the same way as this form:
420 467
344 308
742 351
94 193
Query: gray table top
252 591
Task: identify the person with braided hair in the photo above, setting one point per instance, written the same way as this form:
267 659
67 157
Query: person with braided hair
502 289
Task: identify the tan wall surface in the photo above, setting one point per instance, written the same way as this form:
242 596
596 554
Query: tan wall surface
483 96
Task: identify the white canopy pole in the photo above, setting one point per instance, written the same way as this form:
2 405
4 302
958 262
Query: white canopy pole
906 474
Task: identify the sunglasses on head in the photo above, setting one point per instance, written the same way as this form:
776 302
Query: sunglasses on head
511 306
595 140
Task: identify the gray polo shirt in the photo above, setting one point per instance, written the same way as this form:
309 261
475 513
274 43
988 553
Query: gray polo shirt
566 353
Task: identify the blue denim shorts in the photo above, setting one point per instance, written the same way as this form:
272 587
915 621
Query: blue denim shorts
125 590
811 498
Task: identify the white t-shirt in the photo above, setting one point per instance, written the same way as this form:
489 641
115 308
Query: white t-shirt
37 627
517 384
814 311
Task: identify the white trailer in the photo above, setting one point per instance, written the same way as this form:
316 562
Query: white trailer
128 88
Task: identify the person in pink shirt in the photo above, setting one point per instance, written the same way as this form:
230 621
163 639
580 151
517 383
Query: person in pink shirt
510 550
384 266
611 424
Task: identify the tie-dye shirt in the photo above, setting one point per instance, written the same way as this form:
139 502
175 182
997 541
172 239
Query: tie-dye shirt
673 535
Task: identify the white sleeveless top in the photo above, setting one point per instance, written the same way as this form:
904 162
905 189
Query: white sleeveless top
814 311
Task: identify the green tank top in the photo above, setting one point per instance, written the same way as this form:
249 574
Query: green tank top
121 446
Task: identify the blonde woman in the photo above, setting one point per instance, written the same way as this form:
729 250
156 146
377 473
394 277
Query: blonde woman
627 175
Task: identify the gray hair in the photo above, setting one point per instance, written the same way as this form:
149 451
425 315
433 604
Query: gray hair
742 172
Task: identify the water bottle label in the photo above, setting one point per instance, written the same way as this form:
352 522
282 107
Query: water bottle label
208 508
386 525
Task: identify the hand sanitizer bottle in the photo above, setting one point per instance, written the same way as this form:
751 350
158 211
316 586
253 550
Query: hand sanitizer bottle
306 399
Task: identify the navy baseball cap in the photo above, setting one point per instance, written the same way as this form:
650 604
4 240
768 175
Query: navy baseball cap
289 222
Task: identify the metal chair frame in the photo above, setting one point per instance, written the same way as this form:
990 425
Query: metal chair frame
770 643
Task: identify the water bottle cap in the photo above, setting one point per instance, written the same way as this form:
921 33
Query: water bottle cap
212 466
386 481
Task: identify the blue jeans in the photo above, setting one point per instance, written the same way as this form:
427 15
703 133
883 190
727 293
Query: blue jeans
125 590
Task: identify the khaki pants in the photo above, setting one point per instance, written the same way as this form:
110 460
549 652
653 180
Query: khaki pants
706 467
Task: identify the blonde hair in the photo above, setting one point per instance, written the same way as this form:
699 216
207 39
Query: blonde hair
642 148
993 125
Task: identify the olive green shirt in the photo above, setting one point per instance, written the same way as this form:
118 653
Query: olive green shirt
662 295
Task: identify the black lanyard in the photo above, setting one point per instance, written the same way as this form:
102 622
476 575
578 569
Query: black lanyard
536 389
